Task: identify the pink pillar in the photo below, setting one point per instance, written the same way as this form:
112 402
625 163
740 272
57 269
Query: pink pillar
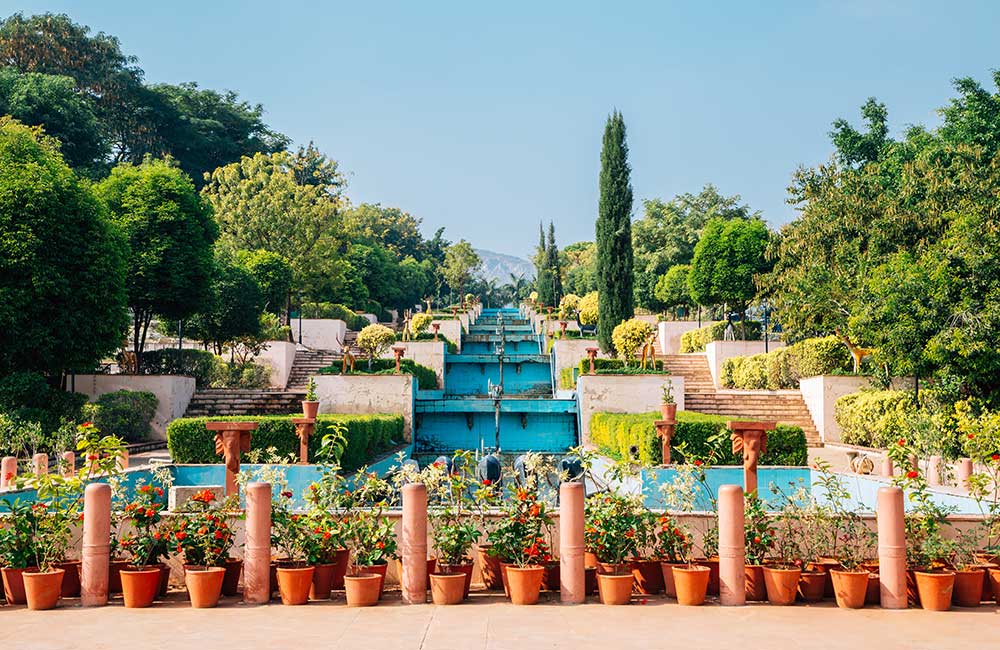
732 561
413 543
123 460
887 469
8 471
572 575
40 464
964 472
934 470
68 463
96 545
891 548
257 552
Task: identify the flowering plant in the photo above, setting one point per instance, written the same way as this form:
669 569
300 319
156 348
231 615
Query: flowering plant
614 526
372 537
324 522
519 537
673 543
203 534
143 540
850 541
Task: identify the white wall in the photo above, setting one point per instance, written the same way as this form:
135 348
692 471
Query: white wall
280 356
173 392
451 328
371 318
552 326
669 333
320 333
569 352
821 393
718 351
367 394
426 353
623 394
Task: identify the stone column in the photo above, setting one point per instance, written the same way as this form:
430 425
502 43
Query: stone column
572 575
891 548
413 543
934 471
257 552
8 471
68 463
40 464
750 438
964 472
887 468
96 545
123 460
304 428
231 440
732 562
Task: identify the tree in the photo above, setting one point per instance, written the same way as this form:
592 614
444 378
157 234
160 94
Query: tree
460 263
672 289
273 275
728 258
170 232
391 228
259 204
62 263
543 274
614 234
554 264
580 262
53 103
233 308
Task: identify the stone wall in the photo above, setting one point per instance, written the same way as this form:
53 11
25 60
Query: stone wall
426 353
280 356
569 352
718 351
623 394
173 392
452 329
821 393
669 333
366 394
320 333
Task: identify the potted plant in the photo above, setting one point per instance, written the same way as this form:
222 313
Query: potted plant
295 542
758 536
203 535
452 536
668 406
851 541
613 523
145 544
783 573
519 540
969 571
310 405
17 549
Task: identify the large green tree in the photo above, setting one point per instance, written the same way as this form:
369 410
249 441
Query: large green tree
273 274
614 233
233 307
672 289
460 265
580 262
170 232
62 263
727 261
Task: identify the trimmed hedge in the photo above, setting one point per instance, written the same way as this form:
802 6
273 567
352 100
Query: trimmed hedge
125 413
696 340
426 377
355 323
873 418
618 367
367 437
429 336
782 368
703 436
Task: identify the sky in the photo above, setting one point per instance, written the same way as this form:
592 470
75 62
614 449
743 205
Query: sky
486 118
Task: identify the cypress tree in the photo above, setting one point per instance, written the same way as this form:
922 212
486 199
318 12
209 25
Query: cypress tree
614 233
543 281
554 268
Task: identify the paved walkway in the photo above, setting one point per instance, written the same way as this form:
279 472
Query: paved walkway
489 622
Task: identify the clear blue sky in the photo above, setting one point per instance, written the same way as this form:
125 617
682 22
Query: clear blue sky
486 117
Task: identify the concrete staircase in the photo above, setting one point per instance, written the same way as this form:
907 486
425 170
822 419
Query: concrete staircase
307 362
214 402
700 396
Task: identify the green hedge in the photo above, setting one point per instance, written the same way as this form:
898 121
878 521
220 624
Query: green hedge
618 367
367 437
429 336
873 418
125 413
696 340
704 436
426 377
355 323
782 368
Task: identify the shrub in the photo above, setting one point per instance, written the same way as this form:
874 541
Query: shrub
628 336
237 375
568 305
567 380
199 364
420 322
702 436
618 367
125 413
696 340
587 309
784 367
373 340
426 377
28 397
367 437
355 323
874 418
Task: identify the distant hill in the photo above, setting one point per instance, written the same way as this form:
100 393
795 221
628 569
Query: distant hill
499 266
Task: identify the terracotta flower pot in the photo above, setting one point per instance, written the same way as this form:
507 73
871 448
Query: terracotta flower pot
668 411
164 578
310 409
431 564
590 580
551 580
713 574
667 570
447 588
13 584
850 588
994 573
114 576
524 583
753 582
503 578
204 585
824 566
611 569
648 576
935 589
294 584
140 586
341 560
615 589
71 579
691 583
363 589
968 587
377 569
490 568
464 568
589 559
322 582
912 594
781 585
231 582
43 589
812 586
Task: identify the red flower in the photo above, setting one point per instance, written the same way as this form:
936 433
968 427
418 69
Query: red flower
287 494
756 539
9 476
380 545
995 456
326 535
912 474
697 463
87 424
901 442
971 436
219 534
534 510
159 491
487 482
630 533
181 535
